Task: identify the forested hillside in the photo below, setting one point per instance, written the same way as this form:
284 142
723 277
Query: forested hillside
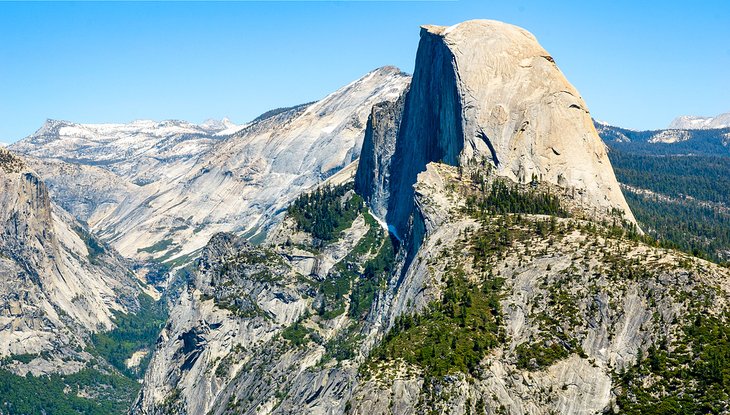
678 191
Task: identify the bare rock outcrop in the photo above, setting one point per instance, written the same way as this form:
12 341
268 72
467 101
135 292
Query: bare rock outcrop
58 283
487 90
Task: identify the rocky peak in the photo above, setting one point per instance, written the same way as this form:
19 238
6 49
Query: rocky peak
689 122
486 90
59 282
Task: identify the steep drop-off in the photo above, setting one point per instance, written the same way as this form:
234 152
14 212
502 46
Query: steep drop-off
488 90
59 283
519 284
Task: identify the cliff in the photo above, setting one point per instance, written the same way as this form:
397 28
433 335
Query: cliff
518 282
486 90
59 284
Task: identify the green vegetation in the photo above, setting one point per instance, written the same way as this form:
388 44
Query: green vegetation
371 281
702 231
89 392
326 211
699 142
156 247
700 177
542 354
134 331
94 247
361 274
691 377
343 346
501 198
452 335
296 333
692 211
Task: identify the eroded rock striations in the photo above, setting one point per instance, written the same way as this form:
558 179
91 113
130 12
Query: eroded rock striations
180 183
59 283
485 89
372 180
518 282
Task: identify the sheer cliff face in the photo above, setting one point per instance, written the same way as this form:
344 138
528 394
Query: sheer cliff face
57 284
372 180
488 90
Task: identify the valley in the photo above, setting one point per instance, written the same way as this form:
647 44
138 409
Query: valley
466 239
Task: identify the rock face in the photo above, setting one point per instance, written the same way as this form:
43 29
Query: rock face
372 180
488 90
89 193
182 183
142 151
505 293
59 283
689 122
258 329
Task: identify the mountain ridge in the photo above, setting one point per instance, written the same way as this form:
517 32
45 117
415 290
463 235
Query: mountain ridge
499 294
692 122
165 180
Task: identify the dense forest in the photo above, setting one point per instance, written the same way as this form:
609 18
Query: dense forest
689 203
326 211
134 332
89 391
99 388
697 142
704 178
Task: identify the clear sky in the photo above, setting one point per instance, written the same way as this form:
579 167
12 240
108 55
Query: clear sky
637 64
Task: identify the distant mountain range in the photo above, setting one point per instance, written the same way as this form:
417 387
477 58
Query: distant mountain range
690 122
462 240
160 190
683 141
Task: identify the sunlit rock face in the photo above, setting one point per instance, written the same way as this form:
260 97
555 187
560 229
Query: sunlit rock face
57 283
161 190
487 90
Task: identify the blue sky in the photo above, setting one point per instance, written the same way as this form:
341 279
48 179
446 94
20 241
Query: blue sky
637 64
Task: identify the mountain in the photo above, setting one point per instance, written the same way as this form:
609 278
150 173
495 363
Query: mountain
181 183
507 104
503 281
90 193
93 168
141 151
676 188
666 142
688 122
59 282
61 289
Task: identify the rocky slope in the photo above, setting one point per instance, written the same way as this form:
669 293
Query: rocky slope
689 122
504 293
515 313
60 284
87 192
181 183
142 151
